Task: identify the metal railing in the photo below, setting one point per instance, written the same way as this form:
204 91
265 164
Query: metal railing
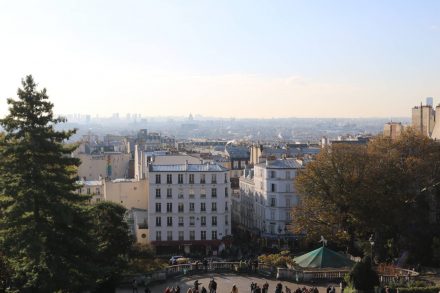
292 274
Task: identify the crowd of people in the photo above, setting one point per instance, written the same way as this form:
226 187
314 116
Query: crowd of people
254 288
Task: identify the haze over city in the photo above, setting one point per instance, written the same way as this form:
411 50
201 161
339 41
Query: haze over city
224 58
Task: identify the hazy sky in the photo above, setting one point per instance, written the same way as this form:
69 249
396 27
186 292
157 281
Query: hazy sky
224 58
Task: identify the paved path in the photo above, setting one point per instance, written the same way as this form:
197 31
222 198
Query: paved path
225 283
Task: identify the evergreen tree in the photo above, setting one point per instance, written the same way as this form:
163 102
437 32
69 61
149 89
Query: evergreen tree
112 234
44 226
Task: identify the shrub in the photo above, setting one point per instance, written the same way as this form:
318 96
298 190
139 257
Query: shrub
281 259
419 290
363 277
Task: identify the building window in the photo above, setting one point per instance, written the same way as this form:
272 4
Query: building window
214 235
287 174
213 178
191 193
158 236
203 221
287 216
226 206
191 207
288 187
98 191
158 221
180 207
202 193
273 174
272 215
170 235
202 179
203 207
214 207
181 221
157 192
272 202
180 179
214 221
169 178
169 192
181 237
158 207
226 220
157 178
272 187
226 192
170 207
191 178
191 221
213 192
88 190
226 178
202 235
169 221
287 203
192 235
180 195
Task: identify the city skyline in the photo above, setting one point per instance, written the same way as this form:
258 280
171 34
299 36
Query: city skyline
224 59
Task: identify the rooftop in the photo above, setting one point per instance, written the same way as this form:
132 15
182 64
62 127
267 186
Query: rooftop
282 164
90 182
237 152
175 160
187 168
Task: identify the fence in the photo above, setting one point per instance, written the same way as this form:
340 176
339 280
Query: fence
296 275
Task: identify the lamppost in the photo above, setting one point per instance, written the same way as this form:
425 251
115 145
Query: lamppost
371 240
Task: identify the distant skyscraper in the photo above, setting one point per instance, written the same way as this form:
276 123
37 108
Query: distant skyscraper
393 129
430 101
423 119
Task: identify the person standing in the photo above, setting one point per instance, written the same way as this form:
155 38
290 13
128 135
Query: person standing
205 265
134 286
212 286
234 289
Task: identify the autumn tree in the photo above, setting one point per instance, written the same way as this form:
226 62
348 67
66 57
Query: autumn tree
384 188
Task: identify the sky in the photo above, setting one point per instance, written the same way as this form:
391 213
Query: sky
224 58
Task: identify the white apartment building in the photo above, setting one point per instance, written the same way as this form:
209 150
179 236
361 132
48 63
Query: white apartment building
266 198
190 207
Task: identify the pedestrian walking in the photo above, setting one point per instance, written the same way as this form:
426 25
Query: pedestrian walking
266 288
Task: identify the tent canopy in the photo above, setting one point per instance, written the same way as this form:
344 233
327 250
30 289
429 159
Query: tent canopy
323 258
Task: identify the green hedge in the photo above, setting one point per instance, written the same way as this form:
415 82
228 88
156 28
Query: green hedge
420 290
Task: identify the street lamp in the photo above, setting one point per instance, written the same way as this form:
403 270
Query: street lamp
371 240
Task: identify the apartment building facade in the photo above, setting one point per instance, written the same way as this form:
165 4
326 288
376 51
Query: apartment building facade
267 195
190 208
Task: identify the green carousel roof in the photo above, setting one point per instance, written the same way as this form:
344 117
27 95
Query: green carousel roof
323 258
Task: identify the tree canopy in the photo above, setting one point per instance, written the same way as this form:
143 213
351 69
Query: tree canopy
384 188
50 240
42 228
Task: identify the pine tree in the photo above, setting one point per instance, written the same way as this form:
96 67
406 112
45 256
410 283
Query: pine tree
44 225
